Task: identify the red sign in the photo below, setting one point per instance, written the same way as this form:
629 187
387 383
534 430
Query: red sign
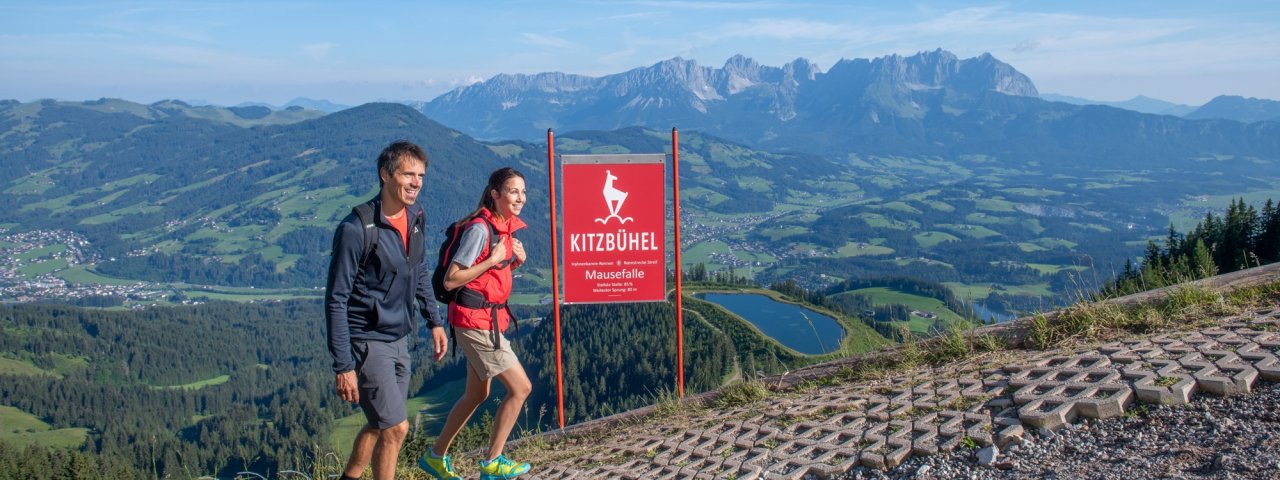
614 248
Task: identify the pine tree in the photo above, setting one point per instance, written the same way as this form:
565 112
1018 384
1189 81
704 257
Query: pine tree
1171 242
1201 263
1154 257
1267 245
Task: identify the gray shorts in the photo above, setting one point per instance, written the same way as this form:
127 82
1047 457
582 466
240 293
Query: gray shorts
382 375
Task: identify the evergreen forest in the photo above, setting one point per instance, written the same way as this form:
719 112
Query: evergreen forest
1242 237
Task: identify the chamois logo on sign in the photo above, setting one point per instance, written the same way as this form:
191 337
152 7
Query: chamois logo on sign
613 198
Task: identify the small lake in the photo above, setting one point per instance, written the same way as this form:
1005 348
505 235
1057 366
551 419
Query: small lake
980 309
799 328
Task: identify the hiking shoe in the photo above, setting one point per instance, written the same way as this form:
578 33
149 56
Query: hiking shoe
439 467
501 468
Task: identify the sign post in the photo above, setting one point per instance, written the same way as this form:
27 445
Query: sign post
555 272
614 237
675 211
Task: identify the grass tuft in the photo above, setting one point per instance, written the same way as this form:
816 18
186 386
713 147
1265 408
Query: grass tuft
667 404
1183 307
951 345
742 393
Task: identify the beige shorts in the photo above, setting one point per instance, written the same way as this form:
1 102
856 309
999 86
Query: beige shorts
482 358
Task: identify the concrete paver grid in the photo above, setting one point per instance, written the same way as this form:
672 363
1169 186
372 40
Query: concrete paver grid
829 430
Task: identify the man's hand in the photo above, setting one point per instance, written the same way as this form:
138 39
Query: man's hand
346 386
441 342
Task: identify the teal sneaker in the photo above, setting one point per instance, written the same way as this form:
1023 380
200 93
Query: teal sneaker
501 468
439 467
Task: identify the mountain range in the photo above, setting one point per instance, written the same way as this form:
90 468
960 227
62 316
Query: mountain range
1140 104
1239 108
1225 107
931 103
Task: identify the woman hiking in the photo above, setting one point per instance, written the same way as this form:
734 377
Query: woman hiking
481 268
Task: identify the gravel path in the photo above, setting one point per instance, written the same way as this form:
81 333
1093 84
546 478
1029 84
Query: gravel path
1212 437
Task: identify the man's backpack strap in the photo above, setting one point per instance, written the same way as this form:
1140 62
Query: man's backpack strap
416 247
365 213
417 229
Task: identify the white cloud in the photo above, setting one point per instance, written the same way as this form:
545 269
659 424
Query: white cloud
635 16
541 40
158 20
1026 46
204 59
787 29
711 5
318 51
471 80
618 57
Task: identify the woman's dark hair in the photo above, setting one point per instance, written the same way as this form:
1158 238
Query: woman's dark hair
497 179
391 157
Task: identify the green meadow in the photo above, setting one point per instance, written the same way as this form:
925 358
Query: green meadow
931 239
208 382
433 405
858 249
22 430
9 366
882 296
84 274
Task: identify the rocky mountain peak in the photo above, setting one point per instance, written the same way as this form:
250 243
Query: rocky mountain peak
742 65
942 69
801 69
742 93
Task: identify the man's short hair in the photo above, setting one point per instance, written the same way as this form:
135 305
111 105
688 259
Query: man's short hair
390 158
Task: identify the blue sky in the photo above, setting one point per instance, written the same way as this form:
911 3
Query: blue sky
354 52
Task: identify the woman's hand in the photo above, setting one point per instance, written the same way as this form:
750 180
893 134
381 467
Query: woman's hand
497 254
517 250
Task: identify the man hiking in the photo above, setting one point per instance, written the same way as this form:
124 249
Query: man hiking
378 277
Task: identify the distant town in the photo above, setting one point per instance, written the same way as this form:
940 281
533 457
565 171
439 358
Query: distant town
28 261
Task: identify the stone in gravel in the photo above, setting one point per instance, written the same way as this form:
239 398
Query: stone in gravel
988 455
922 471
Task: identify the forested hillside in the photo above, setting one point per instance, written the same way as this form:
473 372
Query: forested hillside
225 387
214 388
1242 237
620 357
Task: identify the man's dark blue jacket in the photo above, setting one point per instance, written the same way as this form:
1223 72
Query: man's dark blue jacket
376 303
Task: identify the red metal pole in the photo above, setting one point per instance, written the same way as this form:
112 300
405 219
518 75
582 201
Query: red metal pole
675 189
555 271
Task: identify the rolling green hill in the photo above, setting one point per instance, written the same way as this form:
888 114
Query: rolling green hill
1031 235
183 198
198 206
